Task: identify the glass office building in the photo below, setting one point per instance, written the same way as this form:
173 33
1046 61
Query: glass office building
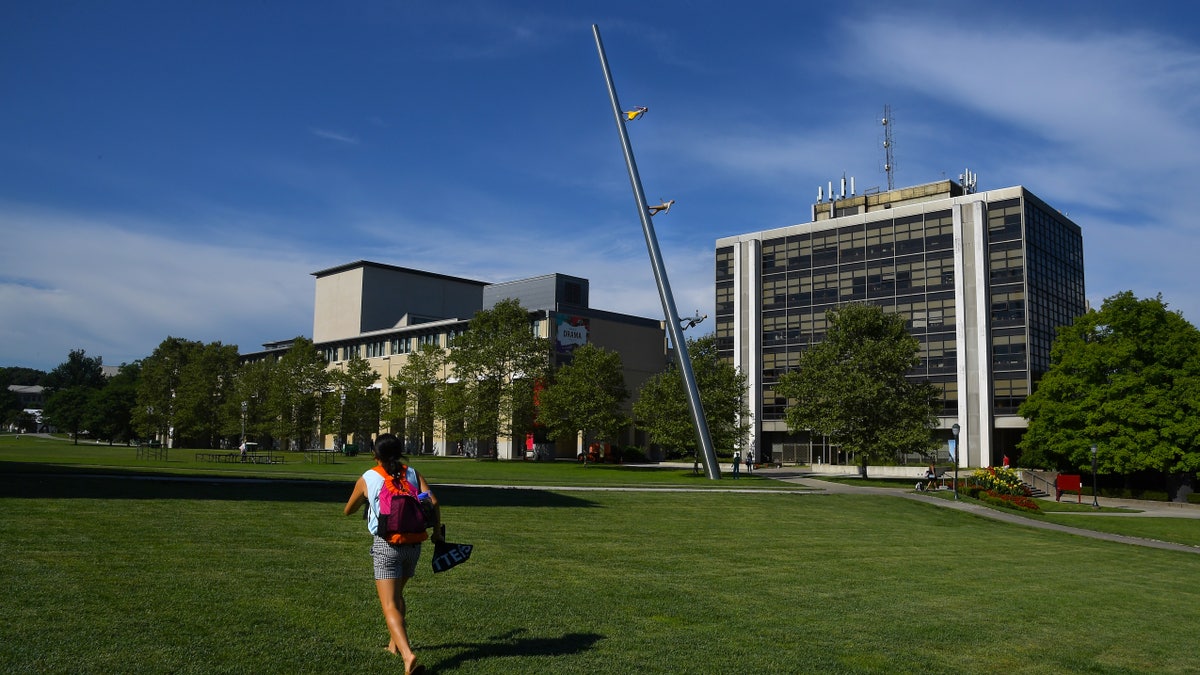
982 279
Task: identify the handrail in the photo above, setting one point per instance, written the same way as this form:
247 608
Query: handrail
1043 484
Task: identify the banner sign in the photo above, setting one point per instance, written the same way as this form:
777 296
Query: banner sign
569 332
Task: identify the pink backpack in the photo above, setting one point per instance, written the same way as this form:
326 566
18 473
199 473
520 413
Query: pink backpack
401 520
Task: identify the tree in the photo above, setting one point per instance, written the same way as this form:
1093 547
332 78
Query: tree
111 408
352 405
1127 379
10 406
415 391
496 362
299 381
662 409
162 378
585 396
79 370
251 389
854 387
205 387
70 387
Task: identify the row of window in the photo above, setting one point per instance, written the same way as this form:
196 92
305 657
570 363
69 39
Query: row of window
402 345
853 243
377 348
909 275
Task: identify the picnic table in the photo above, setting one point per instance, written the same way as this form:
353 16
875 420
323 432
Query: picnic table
323 456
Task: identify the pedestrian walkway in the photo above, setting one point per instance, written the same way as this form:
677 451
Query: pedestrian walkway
1139 508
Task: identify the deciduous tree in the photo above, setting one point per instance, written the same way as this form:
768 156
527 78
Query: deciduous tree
585 396
70 386
414 393
662 410
1125 378
496 362
854 387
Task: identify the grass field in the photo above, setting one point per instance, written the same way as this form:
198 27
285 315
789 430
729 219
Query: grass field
120 574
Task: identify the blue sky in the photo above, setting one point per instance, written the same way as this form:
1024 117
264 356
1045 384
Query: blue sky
181 169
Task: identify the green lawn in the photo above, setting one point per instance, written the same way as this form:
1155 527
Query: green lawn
113 574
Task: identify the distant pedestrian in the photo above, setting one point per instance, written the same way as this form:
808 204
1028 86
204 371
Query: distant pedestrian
737 460
749 461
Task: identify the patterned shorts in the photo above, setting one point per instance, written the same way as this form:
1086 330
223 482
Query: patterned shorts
394 561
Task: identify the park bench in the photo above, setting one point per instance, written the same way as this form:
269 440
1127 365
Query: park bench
1068 483
217 456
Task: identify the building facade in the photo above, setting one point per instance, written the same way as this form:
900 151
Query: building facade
382 313
982 280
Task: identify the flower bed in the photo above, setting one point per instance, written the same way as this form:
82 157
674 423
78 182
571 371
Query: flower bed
1000 487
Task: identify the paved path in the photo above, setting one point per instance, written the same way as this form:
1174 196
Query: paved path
1148 509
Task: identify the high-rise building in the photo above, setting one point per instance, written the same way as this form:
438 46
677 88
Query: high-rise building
982 279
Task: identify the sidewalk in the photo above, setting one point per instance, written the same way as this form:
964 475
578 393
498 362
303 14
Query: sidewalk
797 476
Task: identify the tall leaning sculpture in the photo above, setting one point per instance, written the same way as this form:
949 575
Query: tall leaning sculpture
674 325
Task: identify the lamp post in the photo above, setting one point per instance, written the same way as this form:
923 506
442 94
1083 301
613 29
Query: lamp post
957 453
342 422
243 421
1095 504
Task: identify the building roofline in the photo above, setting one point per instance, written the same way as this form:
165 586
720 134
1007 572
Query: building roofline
394 268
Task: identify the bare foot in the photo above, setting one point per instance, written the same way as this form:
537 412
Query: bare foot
412 667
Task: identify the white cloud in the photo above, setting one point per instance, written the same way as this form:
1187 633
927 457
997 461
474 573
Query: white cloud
334 136
106 286
1106 128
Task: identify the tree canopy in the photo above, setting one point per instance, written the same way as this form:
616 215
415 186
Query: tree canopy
414 392
662 409
70 386
854 387
585 396
496 362
1126 378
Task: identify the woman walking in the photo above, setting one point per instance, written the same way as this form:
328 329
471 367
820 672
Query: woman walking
395 563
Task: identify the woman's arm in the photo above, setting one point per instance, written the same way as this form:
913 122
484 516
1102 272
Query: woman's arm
437 510
357 498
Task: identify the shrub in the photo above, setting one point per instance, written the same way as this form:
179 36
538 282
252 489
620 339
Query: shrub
1003 481
1018 502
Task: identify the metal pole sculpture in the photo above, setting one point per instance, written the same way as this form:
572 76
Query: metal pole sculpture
674 326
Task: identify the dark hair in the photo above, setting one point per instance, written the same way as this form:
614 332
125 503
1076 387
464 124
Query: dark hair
389 450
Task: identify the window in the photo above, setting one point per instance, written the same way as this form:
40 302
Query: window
910 236
725 263
939 231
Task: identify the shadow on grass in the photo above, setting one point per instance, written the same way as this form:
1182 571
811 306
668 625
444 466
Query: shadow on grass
33 481
509 644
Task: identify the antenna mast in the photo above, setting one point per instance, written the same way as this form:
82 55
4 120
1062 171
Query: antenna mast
889 165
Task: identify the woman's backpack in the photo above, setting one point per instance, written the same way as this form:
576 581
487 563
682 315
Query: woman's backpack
401 519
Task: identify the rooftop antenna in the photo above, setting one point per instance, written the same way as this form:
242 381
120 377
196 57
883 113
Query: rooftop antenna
967 179
889 165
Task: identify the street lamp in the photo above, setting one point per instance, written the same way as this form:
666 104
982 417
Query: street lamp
1095 504
342 421
243 421
957 453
